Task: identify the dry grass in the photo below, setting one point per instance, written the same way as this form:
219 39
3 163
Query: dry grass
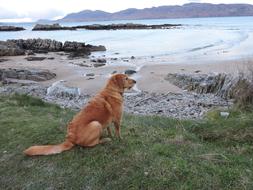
243 93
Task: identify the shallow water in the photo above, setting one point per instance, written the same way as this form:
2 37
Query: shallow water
198 40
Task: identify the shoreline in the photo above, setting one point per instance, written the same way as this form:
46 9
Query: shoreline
153 94
150 77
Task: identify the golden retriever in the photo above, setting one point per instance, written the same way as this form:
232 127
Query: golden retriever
86 127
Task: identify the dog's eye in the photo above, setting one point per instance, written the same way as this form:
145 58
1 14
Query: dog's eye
126 78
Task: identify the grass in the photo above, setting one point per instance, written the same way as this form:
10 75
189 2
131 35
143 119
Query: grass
156 152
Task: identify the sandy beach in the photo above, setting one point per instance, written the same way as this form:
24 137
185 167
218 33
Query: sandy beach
150 77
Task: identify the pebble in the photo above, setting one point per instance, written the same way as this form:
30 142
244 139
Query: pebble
187 105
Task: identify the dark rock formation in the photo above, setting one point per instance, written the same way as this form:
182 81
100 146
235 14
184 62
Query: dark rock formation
10 28
10 49
98 60
127 26
32 58
130 72
22 74
223 85
98 64
38 44
48 27
18 47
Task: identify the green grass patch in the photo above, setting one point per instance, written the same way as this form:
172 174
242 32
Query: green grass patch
155 153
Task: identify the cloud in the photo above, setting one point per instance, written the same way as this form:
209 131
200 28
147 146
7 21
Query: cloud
31 15
194 1
6 14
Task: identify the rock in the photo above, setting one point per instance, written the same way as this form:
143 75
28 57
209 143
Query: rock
18 47
130 72
132 57
3 60
81 47
10 49
38 45
77 55
98 64
32 74
98 60
114 59
223 85
58 89
75 47
30 52
90 75
17 81
51 58
96 48
41 51
35 58
11 28
48 27
224 114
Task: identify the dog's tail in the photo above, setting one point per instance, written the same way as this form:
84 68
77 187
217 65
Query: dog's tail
49 149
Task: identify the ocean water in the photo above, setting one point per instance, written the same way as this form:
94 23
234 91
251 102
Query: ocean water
198 40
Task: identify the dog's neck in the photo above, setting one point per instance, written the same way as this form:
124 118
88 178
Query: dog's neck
112 92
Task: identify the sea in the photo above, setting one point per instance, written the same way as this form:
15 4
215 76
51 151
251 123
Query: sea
198 40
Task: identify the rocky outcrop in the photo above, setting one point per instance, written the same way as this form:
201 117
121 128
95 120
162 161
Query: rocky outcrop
38 44
223 85
10 49
49 27
25 74
18 47
10 28
127 26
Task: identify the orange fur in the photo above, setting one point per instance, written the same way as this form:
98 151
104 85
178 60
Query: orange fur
86 127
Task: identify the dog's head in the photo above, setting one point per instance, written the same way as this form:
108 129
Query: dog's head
121 82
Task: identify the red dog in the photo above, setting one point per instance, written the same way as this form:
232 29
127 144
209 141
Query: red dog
86 127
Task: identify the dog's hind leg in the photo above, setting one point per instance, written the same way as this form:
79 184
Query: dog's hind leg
90 134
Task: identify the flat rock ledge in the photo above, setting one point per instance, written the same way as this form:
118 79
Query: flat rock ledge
187 105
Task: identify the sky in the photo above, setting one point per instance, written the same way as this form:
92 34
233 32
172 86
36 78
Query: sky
32 10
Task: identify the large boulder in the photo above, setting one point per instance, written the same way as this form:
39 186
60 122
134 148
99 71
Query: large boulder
25 74
10 49
59 89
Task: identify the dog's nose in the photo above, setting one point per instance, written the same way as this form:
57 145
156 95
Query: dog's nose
134 81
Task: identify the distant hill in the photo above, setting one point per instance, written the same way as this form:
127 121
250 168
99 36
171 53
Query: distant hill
190 10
